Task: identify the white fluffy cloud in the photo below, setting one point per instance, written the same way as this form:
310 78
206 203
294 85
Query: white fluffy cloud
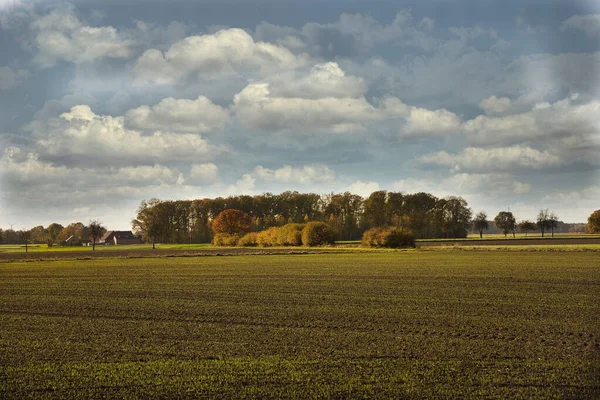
204 174
562 119
147 174
80 132
181 115
495 106
328 100
324 80
420 121
244 185
423 121
60 35
26 168
363 189
332 102
589 23
305 175
226 52
489 159
10 78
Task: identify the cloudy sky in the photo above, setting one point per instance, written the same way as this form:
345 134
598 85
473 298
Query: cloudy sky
104 103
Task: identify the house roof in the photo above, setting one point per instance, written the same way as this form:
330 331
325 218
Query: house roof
118 235
106 235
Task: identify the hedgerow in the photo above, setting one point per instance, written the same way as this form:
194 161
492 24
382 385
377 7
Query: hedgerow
317 234
390 237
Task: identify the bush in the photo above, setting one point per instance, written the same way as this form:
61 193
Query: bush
248 240
317 234
225 239
388 237
290 235
268 237
369 238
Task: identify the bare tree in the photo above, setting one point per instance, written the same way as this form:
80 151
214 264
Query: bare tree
26 235
96 230
542 220
481 223
552 222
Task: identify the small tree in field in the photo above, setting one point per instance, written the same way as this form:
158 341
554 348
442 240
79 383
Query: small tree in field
148 222
26 235
552 222
593 225
96 230
527 226
480 223
542 220
232 222
505 222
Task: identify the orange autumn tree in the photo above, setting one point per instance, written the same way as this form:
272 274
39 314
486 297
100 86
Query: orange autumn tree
232 222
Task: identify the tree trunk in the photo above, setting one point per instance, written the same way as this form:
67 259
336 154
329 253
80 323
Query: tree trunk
93 244
480 234
153 245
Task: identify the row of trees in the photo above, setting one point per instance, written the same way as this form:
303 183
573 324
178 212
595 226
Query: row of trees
506 222
349 215
55 234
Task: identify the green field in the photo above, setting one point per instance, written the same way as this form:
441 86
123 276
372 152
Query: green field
409 324
36 248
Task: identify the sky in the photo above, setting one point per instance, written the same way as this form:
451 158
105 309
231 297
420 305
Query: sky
104 103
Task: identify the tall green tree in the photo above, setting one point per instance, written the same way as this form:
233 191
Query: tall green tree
54 230
148 221
527 226
593 222
376 209
505 222
457 217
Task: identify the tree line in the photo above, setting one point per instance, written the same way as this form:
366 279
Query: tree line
349 215
55 234
506 223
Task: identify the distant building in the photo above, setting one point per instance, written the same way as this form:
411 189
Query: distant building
119 237
72 241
